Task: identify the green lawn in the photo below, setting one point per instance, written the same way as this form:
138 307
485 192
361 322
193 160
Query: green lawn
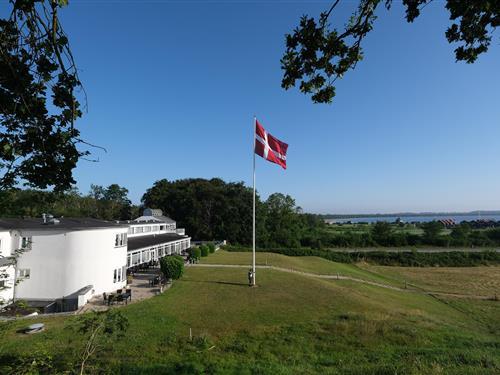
288 324
309 264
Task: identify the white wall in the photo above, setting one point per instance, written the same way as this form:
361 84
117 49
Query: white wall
61 263
6 272
7 291
5 243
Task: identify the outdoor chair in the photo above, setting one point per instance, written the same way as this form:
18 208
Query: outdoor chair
128 292
119 291
111 299
121 298
104 297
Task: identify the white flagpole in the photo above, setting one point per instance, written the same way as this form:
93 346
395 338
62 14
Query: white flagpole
253 222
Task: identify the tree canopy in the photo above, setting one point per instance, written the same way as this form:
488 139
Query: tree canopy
214 209
107 203
317 54
39 85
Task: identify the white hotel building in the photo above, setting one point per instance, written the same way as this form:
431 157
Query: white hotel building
64 262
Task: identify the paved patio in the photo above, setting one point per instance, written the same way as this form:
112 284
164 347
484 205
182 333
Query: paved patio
141 290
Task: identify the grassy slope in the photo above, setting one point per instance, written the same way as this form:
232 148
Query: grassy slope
483 281
309 264
290 323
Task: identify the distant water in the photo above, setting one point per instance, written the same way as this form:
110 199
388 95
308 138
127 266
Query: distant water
415 219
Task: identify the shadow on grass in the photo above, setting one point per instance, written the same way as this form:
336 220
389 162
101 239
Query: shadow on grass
215 282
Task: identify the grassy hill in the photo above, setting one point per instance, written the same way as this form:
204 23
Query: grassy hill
290 323
310 264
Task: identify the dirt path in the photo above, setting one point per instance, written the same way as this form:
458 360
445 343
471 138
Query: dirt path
342 277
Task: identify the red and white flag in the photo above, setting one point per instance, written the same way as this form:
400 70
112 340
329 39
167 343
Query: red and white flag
269 147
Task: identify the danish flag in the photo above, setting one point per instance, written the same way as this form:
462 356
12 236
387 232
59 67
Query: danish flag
269 147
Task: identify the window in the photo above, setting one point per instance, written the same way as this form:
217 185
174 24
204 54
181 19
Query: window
120 239
26 243
2 283
23 273
115 275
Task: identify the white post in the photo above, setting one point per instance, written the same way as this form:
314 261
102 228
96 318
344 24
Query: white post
253 223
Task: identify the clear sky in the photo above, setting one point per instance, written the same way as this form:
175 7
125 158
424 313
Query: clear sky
173 85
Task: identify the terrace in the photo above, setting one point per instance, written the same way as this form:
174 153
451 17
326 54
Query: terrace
143 286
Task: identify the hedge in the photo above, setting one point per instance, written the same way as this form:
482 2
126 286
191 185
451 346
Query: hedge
393 258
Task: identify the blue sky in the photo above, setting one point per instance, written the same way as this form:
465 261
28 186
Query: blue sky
172 87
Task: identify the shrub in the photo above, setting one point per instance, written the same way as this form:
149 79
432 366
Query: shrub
204 250
403 258
194 253
211 247
172 267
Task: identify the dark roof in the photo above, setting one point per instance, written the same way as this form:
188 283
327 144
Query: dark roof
140 242
64 223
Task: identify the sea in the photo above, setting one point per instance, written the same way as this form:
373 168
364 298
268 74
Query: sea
415 219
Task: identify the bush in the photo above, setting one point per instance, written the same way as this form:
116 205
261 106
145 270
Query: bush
194 253
403 258
172 266
204 250
211 247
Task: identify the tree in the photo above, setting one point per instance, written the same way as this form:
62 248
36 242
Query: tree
112 202
98 329
109 203
39 143
432 230
381 233
317 55
208 209
214 209
460 233
283 222
172 267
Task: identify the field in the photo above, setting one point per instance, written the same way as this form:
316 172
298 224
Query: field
482 281
366 228
290 323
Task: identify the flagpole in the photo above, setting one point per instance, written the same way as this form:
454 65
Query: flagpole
253 221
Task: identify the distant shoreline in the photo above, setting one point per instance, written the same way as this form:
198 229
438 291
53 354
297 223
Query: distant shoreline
410 214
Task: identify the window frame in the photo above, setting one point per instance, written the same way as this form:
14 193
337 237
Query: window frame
23 273
26 245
